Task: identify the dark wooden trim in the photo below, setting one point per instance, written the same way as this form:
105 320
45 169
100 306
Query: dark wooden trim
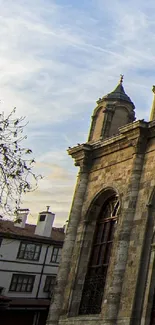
54 264
32 239
35 308
28 262
13 271
42 271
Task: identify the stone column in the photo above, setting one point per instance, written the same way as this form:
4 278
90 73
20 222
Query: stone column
128 212
149 292
75 215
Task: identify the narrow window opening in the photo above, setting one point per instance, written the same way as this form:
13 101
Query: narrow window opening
99 259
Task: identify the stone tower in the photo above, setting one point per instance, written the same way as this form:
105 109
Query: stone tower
113 111
107 272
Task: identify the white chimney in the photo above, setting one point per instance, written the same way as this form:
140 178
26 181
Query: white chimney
21 218
45 223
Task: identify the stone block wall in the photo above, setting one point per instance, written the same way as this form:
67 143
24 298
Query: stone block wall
126 164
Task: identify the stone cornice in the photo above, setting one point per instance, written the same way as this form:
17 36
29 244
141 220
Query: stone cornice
128 136
81 154
79 148
134 125
151 126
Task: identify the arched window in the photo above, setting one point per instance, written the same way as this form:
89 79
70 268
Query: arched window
99 259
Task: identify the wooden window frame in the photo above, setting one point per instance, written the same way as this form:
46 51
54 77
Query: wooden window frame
56 256
50 282
22 280
23 252
42 217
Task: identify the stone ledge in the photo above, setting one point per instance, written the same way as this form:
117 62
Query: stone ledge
80 320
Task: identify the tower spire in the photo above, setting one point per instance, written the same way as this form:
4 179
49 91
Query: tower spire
152 115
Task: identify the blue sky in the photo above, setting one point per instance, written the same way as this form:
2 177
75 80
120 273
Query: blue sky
56 59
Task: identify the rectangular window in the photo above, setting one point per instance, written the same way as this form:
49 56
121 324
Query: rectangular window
42 217
29 251
22 283
50 283
56 254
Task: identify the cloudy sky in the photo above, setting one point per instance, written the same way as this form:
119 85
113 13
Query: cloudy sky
57 57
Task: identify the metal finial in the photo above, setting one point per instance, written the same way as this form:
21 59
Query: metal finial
153 89
121 78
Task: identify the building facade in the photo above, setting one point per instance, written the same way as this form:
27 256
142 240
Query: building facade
29 261
107 271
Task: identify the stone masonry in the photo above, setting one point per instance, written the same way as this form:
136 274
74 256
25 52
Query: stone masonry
119 157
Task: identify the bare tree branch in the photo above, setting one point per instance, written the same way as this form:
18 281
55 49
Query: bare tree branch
16 168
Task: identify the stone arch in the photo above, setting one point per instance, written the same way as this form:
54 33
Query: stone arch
100 197
89 224
97 123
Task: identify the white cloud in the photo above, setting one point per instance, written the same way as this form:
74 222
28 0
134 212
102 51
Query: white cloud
56 189
56 60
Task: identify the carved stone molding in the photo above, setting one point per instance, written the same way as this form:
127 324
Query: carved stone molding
82 155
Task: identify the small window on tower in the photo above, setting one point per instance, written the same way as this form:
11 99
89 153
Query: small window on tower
42 217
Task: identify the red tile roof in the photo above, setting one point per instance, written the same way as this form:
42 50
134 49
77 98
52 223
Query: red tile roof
7 227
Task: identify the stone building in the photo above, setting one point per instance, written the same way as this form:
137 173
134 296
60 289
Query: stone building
107 274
